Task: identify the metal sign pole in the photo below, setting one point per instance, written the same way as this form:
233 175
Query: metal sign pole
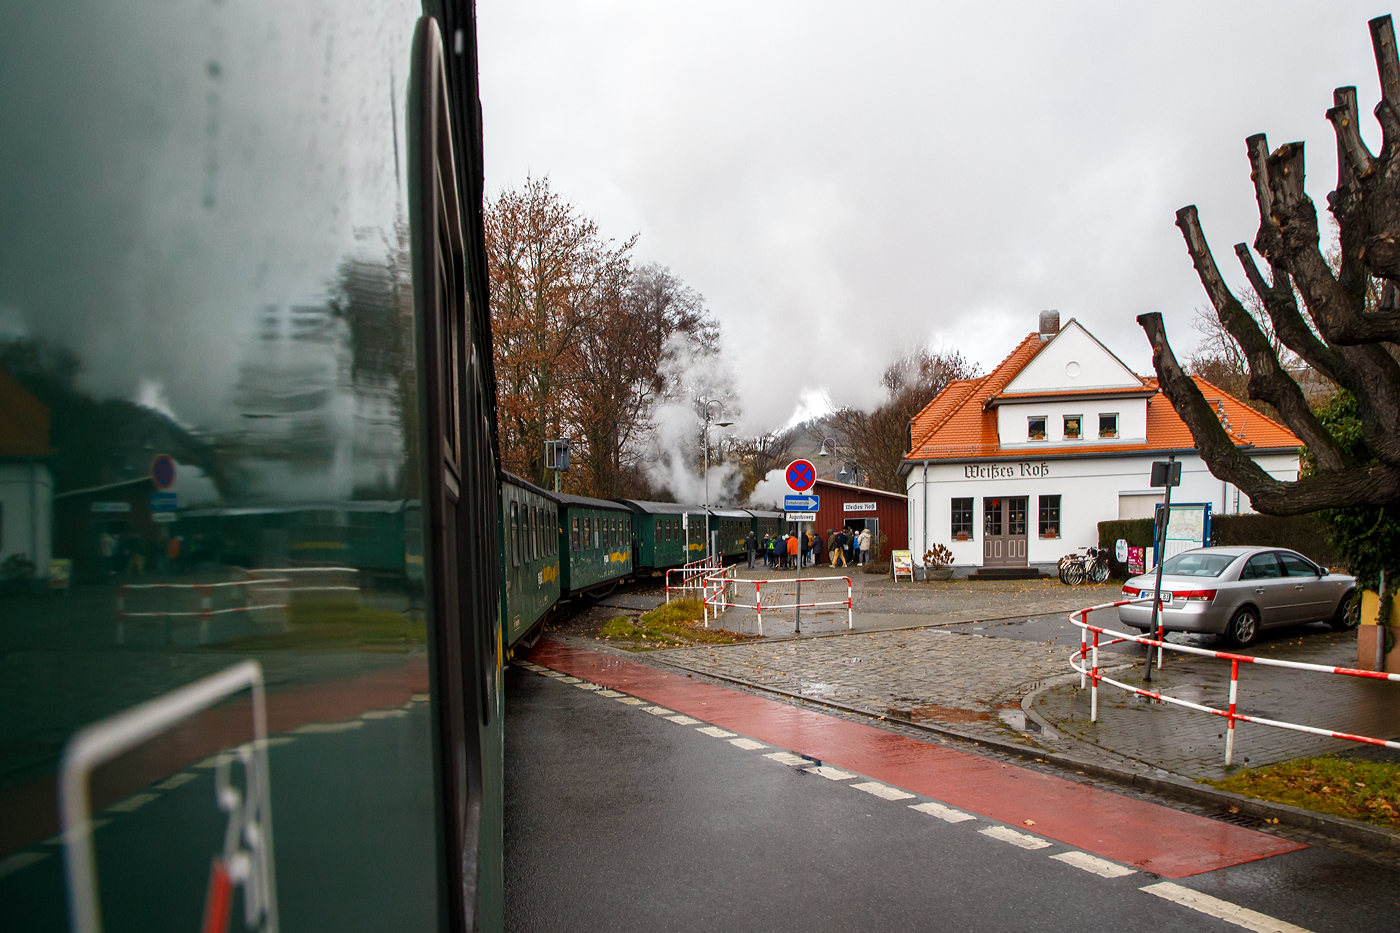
1161 556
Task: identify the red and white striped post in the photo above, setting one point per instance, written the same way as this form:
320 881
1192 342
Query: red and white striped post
758 604
1234 694
1083 643
1094 681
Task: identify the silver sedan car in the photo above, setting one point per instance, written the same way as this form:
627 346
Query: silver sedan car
1239 591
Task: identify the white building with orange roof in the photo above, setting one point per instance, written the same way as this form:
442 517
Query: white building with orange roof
1017 468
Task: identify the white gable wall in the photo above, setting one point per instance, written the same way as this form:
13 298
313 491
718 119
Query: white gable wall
1073 360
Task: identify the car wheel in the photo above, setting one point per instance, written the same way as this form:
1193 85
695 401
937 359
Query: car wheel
1243 628
1344 620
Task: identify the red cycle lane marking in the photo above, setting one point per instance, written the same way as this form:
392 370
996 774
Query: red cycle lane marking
1145 835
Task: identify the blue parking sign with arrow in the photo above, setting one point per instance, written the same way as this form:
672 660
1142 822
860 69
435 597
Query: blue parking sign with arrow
801 503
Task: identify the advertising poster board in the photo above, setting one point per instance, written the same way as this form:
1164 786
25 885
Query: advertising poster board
1137 560
902 562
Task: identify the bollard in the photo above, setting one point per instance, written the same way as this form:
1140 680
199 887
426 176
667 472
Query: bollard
1094 681
1234 693
798 601
1083 643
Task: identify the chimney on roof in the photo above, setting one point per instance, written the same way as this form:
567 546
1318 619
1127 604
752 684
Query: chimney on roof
1049 324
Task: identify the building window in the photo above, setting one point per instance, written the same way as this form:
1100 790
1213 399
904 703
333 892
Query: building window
1049 516
1016 516
1074 427
962 519
1108 425
1035 427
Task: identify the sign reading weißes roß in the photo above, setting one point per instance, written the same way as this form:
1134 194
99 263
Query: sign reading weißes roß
1009 471
858 507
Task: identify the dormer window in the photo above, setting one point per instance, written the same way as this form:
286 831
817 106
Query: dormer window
1035 427
1074 427
1108 425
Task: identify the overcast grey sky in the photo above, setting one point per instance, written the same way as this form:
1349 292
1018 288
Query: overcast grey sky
845 181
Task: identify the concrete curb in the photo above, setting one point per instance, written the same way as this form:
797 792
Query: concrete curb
1162 782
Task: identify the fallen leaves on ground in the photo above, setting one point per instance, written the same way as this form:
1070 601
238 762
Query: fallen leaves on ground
1358 790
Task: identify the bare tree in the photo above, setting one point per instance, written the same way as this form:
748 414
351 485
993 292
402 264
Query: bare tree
759 456
1334 333
880 438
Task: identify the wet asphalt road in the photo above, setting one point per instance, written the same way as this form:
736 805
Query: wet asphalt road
1056 629
617 820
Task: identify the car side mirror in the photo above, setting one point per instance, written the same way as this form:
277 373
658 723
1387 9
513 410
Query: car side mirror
1323 571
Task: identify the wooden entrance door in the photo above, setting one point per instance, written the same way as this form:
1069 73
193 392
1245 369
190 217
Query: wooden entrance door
1004 531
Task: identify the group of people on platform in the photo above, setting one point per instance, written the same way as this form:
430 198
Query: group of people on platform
846 547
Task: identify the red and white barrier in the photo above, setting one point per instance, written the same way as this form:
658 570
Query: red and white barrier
243 596
772 596
1091 672
691 577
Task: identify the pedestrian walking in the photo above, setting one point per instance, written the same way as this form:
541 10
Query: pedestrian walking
818 549
793 549
838 549
848 544
865 546
750 545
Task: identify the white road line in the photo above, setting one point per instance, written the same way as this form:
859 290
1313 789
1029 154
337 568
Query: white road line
882 790
683 720
213 761
555 674
1006 834
660 711
383 714
1222 910
716 732
134 802
788 758
570 680
830 773
176 780
947 814
20 860
630 701
93 826
1090 863
748 745
609 693
587 686
328 728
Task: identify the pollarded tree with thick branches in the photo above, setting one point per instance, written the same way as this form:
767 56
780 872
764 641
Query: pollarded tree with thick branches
1335 331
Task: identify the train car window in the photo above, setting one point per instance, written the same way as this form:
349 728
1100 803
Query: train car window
595 534
553 532
573 533
612 528
514 545
534 532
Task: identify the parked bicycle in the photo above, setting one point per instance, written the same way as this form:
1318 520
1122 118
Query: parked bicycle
1092 565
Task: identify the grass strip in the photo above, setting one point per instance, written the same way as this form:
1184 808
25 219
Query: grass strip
679 622
1367 791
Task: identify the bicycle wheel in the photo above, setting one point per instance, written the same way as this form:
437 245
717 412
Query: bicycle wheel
1074 574
1100 571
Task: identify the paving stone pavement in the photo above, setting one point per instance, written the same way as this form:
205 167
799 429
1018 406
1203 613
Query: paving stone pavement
924 675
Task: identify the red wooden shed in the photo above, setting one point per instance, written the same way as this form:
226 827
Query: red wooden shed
884 513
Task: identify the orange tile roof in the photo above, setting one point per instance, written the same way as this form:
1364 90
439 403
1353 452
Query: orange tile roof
958 424
24 421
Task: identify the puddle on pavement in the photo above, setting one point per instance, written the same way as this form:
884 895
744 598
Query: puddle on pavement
941 713
808 689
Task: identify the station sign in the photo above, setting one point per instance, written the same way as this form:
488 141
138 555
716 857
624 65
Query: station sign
858 507
163 518
162 502
801 475
801 503
801 516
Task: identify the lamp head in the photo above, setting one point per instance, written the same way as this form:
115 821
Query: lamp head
724 424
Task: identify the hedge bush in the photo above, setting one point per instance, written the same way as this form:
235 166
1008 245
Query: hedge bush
1306 534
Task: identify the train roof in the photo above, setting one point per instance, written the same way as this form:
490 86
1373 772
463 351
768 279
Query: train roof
730 513
760 513
661 508
509 477
587 502
353 505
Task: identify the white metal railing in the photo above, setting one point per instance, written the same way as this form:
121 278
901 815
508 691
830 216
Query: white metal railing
776 595
1091 673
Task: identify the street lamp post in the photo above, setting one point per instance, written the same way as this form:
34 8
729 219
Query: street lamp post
824 452
709 419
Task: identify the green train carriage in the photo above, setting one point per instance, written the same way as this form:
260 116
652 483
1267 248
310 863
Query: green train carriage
530 563
666 534
595 542
731 526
